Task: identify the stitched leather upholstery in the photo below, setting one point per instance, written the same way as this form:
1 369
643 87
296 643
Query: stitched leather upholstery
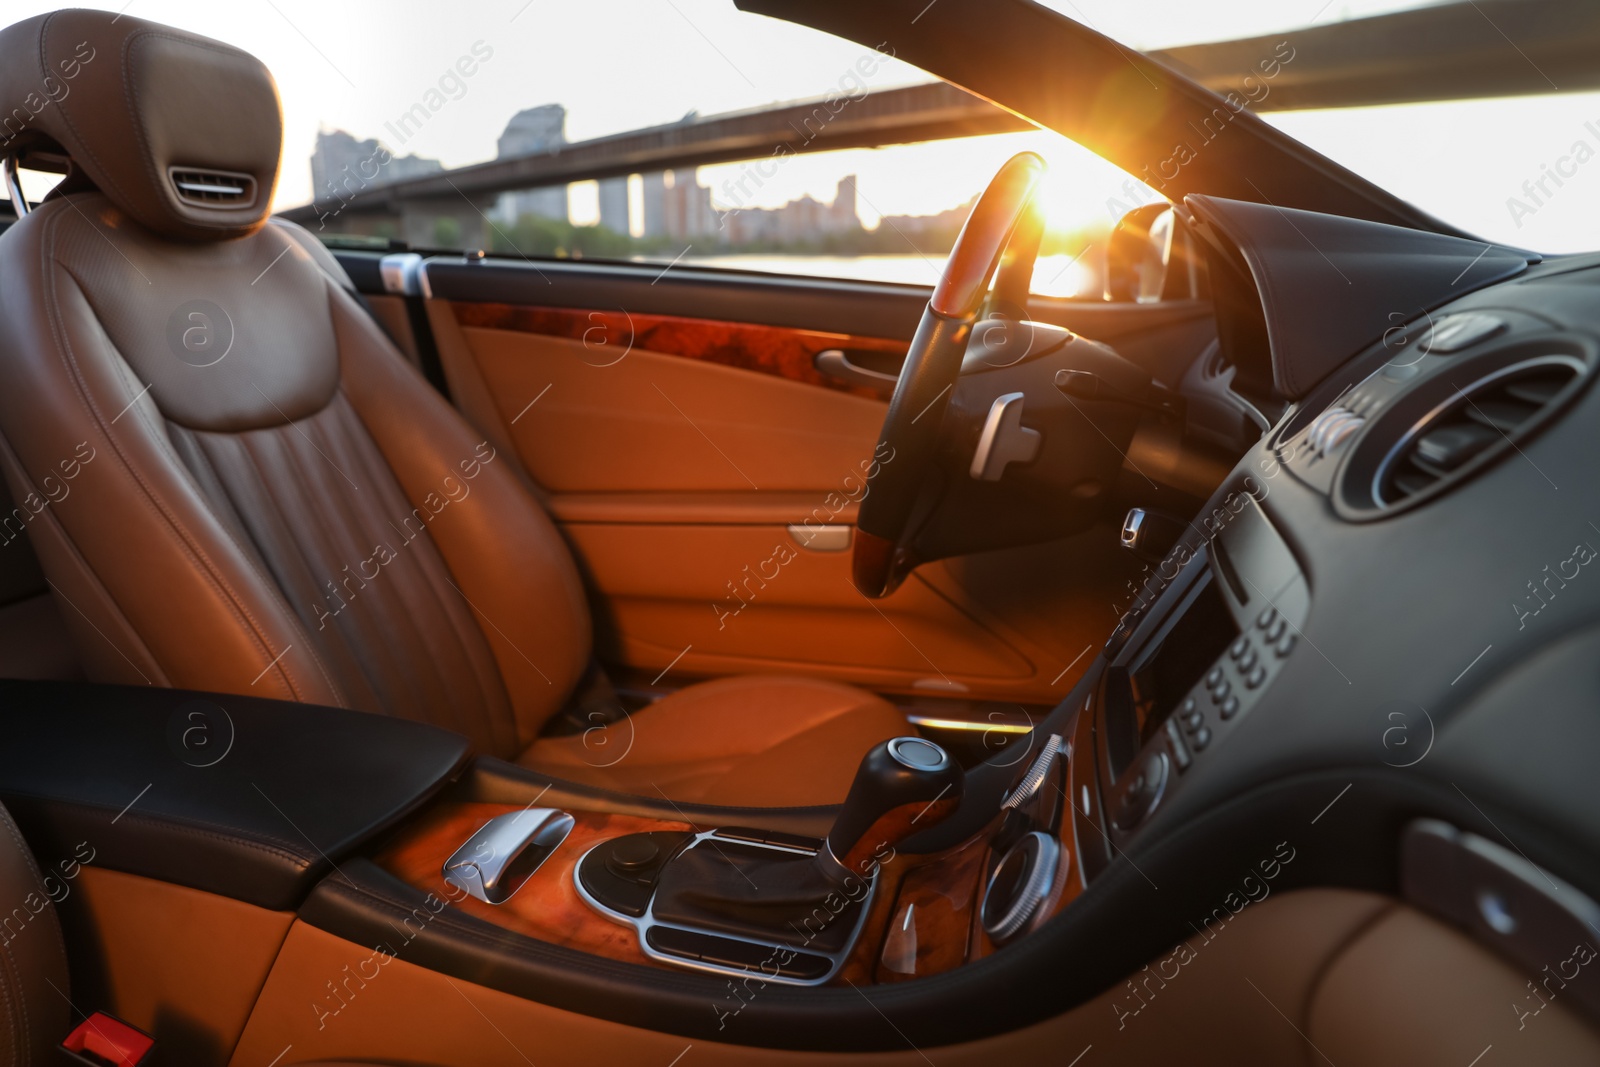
130 101
242 487
404 641
33 1015
296 544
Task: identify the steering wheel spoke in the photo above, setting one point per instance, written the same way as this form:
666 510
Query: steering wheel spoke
1000 241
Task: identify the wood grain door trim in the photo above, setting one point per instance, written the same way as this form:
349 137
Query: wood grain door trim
780 351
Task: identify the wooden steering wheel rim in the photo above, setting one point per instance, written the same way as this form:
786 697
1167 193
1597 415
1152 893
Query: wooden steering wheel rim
1000 241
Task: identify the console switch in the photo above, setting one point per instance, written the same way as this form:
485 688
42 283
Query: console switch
1150 535
1143 792
1180 751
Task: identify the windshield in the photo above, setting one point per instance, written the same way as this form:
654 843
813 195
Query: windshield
1509 168
1483 165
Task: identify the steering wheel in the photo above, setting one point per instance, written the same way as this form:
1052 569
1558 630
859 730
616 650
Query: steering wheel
1002 234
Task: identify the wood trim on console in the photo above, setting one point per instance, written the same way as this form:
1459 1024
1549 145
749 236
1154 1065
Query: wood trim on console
930 928
780 351
547 908
940 893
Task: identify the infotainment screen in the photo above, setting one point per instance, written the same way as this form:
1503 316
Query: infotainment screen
1162 678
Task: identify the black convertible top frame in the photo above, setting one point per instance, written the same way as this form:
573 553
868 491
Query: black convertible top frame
1173 133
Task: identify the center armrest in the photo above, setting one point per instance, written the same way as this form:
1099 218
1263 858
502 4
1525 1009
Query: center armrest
252 799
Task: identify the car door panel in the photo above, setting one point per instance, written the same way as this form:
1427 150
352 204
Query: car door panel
604 417
689 547
748 597
676 426
608 337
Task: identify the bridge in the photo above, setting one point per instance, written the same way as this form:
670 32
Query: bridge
887 116
1448 52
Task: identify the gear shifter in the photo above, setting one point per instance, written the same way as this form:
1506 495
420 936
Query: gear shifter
736 900
903 785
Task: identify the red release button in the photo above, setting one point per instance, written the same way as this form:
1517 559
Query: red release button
109 1041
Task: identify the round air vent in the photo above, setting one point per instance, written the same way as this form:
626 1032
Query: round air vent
1452 425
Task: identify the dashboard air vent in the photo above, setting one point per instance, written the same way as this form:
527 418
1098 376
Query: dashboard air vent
1494 410
213 188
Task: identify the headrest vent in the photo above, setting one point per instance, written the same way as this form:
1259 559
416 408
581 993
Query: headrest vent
213 188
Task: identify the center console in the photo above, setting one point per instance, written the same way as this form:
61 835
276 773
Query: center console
787 898
1203 643
733 900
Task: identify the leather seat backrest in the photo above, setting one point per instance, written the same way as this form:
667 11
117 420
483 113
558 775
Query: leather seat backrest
34 1013
233 480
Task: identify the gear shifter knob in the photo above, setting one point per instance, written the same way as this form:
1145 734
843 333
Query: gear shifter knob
903 785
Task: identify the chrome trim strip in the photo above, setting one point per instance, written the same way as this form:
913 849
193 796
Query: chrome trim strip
831 538
202 187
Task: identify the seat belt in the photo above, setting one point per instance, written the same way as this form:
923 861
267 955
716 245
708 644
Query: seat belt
403 277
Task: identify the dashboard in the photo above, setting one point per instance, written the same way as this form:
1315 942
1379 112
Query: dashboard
1382 621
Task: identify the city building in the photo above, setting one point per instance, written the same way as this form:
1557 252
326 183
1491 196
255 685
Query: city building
614 214
676 205
799 220
342 166
532 131
946 224
689 211
655 204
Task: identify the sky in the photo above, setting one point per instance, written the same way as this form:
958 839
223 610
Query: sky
624 64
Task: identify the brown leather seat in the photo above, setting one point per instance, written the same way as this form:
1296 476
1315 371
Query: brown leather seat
235 483
34 1017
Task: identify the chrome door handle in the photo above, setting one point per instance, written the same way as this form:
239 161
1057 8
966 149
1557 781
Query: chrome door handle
835 364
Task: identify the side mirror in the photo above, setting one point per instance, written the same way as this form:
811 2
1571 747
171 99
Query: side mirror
1150 257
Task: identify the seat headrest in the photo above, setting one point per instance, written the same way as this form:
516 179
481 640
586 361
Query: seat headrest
180 131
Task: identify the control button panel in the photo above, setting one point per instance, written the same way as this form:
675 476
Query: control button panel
1238 677
1268 601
